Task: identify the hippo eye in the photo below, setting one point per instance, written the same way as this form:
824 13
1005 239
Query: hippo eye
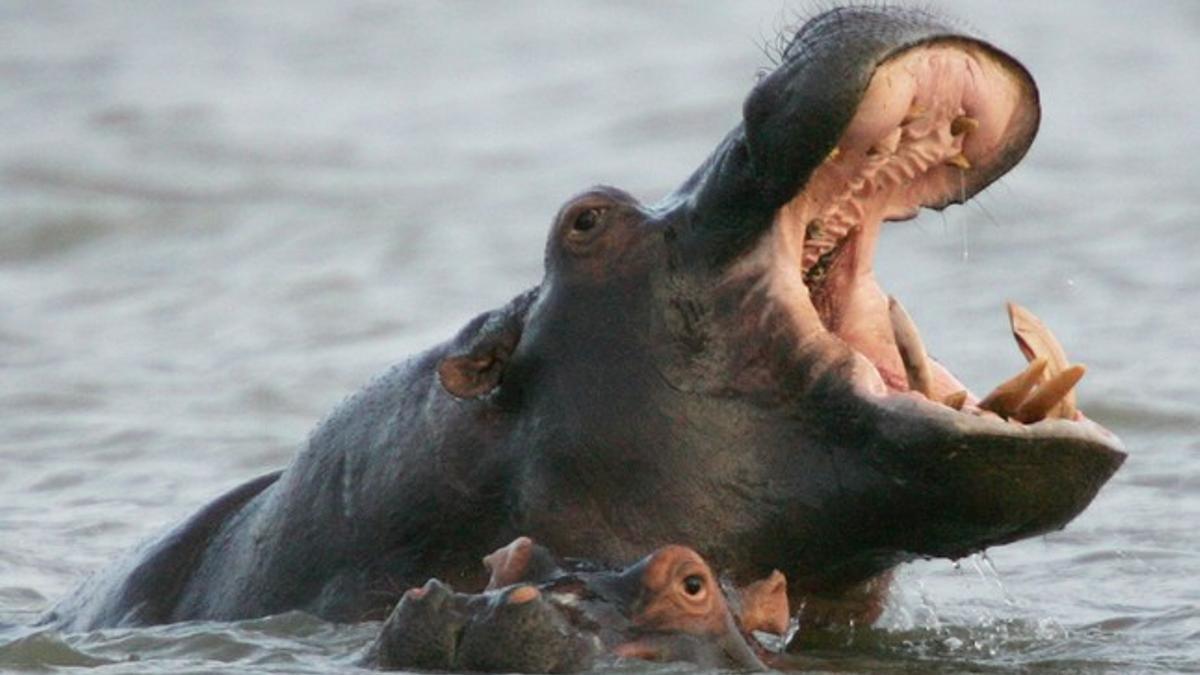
588 219
587 226
693 584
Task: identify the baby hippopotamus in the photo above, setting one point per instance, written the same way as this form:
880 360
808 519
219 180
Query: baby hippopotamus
540 614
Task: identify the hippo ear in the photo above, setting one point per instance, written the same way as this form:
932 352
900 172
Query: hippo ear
475 364
510 564
764 605
522 561
473 375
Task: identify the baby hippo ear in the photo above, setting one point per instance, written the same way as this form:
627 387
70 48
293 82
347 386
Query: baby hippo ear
476 362
522 561
764 605
508 565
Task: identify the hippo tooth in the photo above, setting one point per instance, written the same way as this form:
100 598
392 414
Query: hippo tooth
1006 398
888 144
963 125
914 113
956 400
813 230
912 350
1035 340
833 154
1050 394
960 160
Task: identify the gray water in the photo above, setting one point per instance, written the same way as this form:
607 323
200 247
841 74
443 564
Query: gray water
217 219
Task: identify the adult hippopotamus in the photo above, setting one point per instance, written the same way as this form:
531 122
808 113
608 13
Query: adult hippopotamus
720 369
540 614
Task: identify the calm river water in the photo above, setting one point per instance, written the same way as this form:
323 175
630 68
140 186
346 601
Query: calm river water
217 219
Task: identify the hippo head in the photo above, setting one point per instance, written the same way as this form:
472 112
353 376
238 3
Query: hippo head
540 614
513 630
675 610
723 369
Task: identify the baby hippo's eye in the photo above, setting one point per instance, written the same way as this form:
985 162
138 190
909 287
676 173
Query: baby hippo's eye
588 219
693 584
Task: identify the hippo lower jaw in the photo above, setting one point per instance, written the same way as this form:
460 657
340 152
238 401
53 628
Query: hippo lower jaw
938 121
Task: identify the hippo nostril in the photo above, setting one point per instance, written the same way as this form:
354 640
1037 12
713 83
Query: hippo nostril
432 594
693 584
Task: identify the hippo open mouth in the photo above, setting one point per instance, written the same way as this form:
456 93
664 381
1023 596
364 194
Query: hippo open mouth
929 118
857 127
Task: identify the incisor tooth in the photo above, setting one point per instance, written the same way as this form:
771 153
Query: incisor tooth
912 350
914 113
888 144
1007 398
1046 399
956 400
963 124
892 141
1035 340
960 160
814 229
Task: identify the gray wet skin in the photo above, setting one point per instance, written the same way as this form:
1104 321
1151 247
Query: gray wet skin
555 618
655 387
438 629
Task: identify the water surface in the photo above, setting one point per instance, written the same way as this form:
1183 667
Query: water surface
218 219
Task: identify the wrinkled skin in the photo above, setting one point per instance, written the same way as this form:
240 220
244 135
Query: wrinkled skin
542 615
678 375
434 628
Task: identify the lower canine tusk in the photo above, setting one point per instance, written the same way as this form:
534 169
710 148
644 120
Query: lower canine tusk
956 400
912 350
1035 340
1049 395
1005 399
